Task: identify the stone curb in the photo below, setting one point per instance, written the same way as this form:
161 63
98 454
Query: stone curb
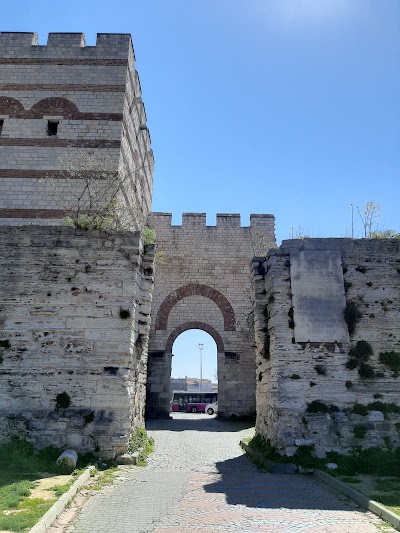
59 506
359 498
266 463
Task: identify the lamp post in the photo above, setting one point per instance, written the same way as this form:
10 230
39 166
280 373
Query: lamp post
201 346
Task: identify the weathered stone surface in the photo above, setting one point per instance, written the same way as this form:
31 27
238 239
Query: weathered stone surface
318 297
204 284
57 359
372 283
94 92
375 416
125 459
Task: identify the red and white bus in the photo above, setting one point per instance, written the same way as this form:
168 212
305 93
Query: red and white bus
192 402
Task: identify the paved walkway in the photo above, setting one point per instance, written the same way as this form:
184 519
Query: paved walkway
199 481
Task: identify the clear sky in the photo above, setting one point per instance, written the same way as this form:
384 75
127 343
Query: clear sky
290 107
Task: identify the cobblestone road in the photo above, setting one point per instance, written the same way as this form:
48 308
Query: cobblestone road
199 481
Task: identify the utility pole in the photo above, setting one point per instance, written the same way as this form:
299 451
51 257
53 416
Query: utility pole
352 221
201 346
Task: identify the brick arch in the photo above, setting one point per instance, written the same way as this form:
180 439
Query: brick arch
10 105
57 105
195 325
196 289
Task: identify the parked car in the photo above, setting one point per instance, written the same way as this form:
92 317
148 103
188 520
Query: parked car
212 408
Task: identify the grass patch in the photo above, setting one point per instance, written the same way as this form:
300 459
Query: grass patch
140 441
11 495
30 512
105 478
372 461
383 490
350 479
20 467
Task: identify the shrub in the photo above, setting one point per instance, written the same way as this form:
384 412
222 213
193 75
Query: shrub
351 364
140 441
295 376
366 371
384 407
349 384
149 235
347 285
352 316
362 351
392 360
360 432
320 370
359 409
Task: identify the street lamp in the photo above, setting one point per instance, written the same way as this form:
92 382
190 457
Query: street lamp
201 346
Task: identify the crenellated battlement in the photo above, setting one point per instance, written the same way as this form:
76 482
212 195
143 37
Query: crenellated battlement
66 45
263 222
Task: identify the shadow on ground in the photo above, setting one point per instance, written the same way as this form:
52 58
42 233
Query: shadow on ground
244 484
191 422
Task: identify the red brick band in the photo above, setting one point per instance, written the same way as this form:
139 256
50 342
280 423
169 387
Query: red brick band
22 173
62 87
196 290
195 325
32 213
54 141
61 61
51 106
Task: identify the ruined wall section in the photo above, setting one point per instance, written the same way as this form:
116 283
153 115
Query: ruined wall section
94 92
209 267
74 321
292 374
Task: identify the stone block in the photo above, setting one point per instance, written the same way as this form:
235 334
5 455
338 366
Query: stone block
375 416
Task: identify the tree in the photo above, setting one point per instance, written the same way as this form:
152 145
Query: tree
93 193
386 234
371 212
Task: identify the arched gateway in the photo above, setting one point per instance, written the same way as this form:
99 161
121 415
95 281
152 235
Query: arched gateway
204 283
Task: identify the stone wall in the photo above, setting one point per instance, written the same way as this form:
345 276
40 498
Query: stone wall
74 327
303 344
94 92
204 283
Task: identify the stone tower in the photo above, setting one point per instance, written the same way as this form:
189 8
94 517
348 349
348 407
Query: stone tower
62 100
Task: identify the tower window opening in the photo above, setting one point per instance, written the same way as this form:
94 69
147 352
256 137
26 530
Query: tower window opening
1 125
52 126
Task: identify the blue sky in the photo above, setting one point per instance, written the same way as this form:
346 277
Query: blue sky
288 107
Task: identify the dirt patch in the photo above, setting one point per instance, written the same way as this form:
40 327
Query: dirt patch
43 485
